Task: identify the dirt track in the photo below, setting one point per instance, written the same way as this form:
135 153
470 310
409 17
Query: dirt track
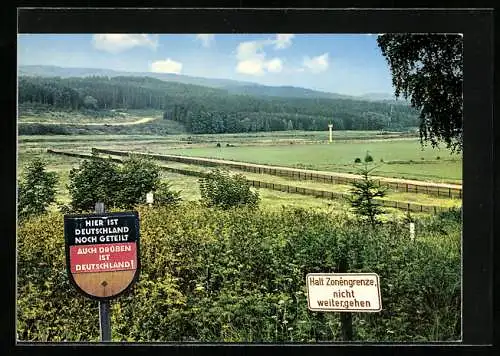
128 123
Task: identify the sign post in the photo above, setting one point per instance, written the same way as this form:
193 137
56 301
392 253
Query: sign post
346 293
102 257
104 312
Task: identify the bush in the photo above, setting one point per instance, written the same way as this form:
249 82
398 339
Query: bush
368 158
37 189
137 177
42 129
454 214
357 160
94 180
212 275
223 190
164 195
101 180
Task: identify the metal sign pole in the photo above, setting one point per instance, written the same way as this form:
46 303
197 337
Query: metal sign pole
104 310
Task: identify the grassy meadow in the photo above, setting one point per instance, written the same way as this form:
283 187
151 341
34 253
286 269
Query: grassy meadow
402 157
393 158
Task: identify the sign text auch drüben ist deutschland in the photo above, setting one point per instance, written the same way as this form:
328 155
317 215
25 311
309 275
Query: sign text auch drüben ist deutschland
343 292
102 252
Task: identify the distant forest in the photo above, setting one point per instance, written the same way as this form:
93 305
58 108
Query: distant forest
209 110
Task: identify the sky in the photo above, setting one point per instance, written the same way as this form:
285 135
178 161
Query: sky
350 64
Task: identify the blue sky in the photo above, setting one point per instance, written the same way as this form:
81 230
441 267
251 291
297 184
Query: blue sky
349 64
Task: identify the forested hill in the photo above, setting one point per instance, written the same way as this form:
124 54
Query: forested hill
212 110
233 86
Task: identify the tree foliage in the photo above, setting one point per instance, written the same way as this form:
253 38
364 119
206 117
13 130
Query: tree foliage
165 195
363 193
209 110
37 189
137 177
221 189
429 70
94 180
101 180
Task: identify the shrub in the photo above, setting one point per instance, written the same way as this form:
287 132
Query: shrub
136 178
164 195
94 180
223 190
454 214
101 180
438 158
212 275
37 189
42 129
368 157
357 160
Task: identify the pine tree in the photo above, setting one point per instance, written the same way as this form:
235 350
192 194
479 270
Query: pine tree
363 193
37 189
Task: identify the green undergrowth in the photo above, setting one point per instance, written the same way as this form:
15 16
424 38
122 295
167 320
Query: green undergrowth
239 276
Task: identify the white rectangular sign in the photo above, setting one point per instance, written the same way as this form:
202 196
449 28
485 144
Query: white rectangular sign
343 292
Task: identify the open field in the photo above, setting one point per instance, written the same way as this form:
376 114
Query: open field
392 195
274 137
399 159
275 200
319 190
187 185
403 158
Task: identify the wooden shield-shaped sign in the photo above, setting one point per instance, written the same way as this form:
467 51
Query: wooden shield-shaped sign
102 252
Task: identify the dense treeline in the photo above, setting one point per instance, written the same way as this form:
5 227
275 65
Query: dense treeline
208 110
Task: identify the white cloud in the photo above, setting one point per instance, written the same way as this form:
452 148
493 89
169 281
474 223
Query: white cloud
251 67
250 50
274 65
206 39
252 59
283 40
317 64
166 66
119 42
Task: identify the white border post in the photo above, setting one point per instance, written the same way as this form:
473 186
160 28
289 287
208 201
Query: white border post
330 127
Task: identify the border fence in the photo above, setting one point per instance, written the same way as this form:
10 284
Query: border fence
434 189
407 206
